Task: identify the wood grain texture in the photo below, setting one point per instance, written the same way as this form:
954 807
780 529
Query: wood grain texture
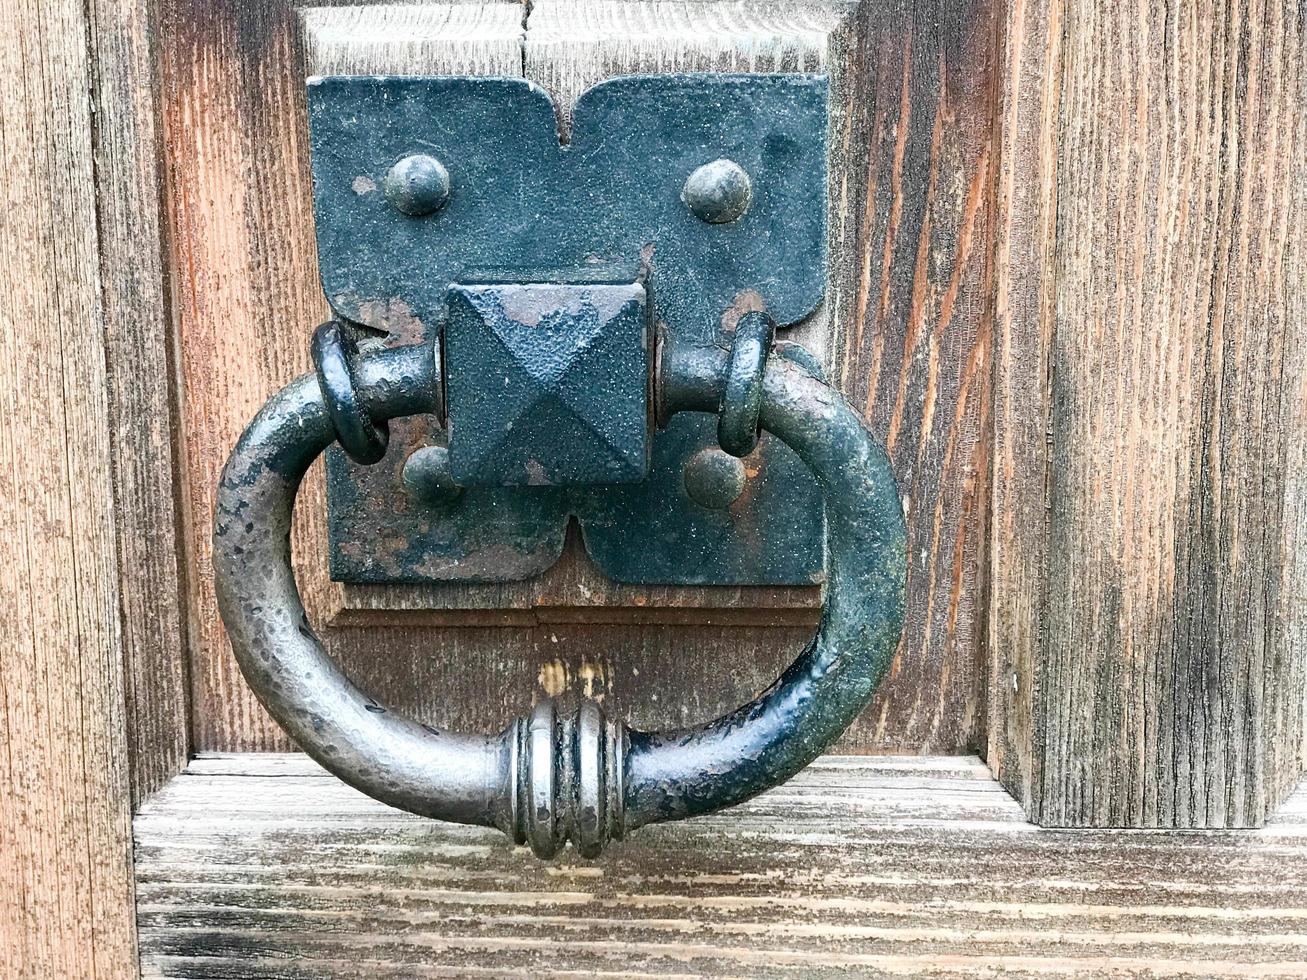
248 296
1024 280
141 374
266 867
65 859
912 334
238 195
479 38
247 290
1148 624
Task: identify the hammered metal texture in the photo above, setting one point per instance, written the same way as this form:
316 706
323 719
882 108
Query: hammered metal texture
547 384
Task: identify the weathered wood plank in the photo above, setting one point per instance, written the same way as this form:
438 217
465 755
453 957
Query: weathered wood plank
913 335
141 373
248 294
65 861
245 269
1024 277
1148 626
917 867
467 38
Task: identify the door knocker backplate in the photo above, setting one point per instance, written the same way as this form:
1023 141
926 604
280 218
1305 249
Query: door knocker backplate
678 203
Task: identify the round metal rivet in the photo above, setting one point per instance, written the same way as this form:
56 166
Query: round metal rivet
713 478
718 192
417 185
427 478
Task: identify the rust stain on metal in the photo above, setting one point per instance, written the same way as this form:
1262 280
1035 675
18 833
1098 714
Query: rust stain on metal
389 314
745 301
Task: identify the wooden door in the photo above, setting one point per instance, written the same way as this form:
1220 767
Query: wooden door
1066 292
240 200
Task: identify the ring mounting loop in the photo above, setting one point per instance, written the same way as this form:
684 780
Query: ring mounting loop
334 355
738 426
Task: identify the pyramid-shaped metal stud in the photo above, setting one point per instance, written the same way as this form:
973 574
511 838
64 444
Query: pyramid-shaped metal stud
547 384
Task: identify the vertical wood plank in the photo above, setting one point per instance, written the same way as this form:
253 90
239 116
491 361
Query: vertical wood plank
248 294
914 337
1164 657
234 173
141 374
1024 277
65 864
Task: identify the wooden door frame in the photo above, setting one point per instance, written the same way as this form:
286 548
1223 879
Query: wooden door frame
96 700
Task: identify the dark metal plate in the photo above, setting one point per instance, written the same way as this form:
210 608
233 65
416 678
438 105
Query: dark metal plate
520 202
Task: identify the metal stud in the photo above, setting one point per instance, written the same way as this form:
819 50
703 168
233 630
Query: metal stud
417 185
718 192
427 478
713 478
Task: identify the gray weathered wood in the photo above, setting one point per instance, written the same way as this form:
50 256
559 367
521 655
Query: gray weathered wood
263 866
1024 277
1148 579
468 38
65 863
141 372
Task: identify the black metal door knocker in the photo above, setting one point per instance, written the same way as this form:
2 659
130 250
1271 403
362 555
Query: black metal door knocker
586 330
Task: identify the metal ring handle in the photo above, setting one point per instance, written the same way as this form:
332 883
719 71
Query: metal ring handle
546 779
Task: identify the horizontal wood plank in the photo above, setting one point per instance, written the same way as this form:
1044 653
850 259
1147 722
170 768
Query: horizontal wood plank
265 866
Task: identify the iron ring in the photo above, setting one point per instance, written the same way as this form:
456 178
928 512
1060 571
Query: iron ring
579 776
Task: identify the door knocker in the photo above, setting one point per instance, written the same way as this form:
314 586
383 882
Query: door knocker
585 329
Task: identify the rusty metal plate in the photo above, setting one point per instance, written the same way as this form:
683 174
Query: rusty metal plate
515 202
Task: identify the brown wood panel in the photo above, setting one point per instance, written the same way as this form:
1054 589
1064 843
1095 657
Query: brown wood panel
918 867
1149 511
246 291
904 326
653 675
913 335
141 373
65 844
